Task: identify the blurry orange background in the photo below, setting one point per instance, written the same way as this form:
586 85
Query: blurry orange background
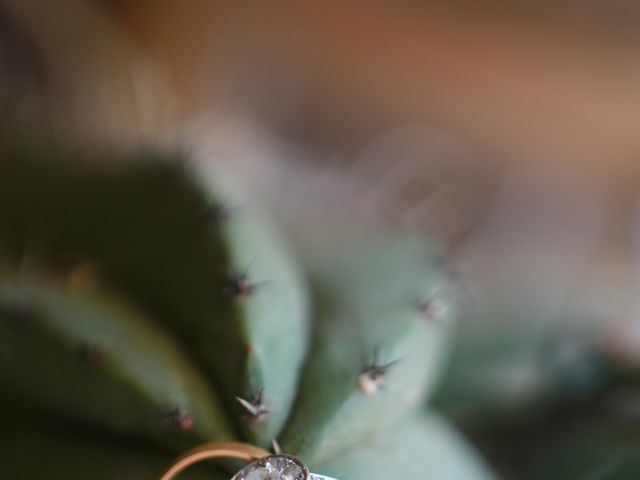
530 79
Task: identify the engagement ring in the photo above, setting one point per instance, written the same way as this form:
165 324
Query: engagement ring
263 465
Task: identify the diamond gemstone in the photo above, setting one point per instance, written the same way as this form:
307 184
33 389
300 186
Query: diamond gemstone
275 467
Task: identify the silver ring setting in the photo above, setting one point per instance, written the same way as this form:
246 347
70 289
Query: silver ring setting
277 467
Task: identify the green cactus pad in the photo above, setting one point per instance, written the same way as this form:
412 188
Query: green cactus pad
370 298
272 321
422 447
92 357
179 250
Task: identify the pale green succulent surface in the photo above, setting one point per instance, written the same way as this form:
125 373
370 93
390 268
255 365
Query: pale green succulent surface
149 304
150 301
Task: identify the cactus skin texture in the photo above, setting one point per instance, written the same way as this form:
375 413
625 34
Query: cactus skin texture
272 318
102 251
424 446
92 357
177 251
368 297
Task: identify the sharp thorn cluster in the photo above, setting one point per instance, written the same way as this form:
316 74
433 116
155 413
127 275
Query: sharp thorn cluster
433 309
371 378
240 286
255 407
180 419
275 447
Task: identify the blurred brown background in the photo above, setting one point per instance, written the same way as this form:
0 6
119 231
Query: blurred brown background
558 78
552 84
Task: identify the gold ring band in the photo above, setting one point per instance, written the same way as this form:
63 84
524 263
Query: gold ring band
241 451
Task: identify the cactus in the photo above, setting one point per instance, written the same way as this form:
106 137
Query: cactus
270 304
171 247
93 357
419 447
375 355
155 307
